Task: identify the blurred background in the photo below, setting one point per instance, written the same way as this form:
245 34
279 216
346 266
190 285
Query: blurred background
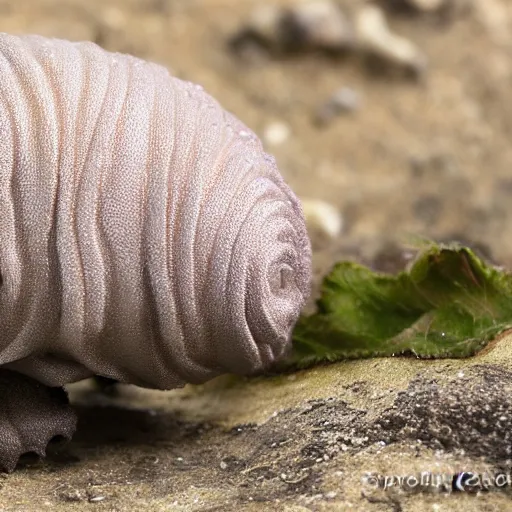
387 118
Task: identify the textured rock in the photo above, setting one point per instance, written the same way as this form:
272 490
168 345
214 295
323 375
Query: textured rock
316 438
375 37
303 26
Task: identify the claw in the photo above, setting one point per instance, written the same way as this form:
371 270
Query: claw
31 414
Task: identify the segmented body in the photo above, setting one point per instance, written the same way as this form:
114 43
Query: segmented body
144 233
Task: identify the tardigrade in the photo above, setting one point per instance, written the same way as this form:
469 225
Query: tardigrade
145 235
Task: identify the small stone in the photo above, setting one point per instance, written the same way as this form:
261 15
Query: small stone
322 217
319 24
276 133
96 499
223 465
345 100
330 495
310 25
376 39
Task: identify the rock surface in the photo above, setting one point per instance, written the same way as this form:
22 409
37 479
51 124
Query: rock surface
318 439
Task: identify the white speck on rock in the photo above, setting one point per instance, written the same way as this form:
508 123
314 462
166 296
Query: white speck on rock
96 499
276 133
322 216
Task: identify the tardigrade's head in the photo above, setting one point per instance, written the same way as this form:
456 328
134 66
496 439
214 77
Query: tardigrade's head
252 259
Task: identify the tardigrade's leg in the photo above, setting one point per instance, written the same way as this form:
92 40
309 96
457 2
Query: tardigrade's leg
31 414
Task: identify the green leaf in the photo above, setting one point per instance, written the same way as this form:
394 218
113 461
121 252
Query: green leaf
448 303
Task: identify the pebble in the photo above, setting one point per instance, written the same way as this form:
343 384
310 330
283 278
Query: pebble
309 25
276 133
376 39
320 24
322 217
345 100
96 499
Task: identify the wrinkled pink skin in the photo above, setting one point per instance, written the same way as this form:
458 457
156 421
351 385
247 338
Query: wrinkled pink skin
145 235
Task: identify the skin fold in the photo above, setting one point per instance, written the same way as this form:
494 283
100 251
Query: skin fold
145 236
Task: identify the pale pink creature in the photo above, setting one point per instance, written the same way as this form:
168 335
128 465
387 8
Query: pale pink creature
145 235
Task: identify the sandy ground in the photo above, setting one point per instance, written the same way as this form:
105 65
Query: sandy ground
336 438
429 156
